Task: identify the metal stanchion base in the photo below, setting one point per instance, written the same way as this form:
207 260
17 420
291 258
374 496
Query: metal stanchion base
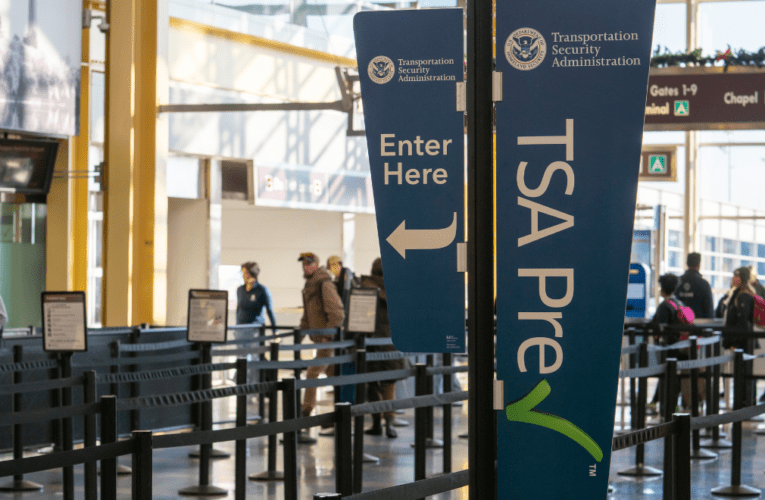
329 432
720 435
47 449
215 454
203 491
397 422
741 490
399 412
22 485
611 489
370 459
702 454
268 475
717 444
122 470
464 435
432 443
640 471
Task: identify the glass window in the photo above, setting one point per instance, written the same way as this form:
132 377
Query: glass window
97 99
183 177
761 268
710 243
713 280
734 24
673 239
747 248
709 263
669 27
726 282
674 259
746 263
761 251
730 246
728 265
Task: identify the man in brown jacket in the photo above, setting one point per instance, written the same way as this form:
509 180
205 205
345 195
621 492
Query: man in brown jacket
322 308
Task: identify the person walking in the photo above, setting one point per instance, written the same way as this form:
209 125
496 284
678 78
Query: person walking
694 290
253 299
322 308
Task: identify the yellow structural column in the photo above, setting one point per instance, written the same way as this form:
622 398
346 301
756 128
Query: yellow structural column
135 210
78 264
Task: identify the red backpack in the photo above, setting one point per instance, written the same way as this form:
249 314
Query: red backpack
686 316
759 311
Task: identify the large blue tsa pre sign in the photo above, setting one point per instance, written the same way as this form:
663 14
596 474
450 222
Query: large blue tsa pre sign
410 63
569 130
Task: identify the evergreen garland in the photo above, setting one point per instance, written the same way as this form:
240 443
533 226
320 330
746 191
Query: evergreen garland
729 58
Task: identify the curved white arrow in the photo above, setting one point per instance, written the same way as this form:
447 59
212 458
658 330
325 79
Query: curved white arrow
403 239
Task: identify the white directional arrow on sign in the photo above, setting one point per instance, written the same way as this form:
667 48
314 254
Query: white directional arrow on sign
403 239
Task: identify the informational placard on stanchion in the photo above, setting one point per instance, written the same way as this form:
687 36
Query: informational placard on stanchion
362 310
207 316
64 322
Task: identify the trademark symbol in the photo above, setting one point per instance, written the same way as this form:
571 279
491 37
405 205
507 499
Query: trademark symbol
593 468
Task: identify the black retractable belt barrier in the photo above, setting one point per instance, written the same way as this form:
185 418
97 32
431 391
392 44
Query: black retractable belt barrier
142 464
271 474
240 453
447 419
358 425
108 435
682 458
697 453
204 488
289 412
420 424
670 402
637 421
18 483
739 398
65 369
343 450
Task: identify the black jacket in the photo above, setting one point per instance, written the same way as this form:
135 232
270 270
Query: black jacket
667 315
696 293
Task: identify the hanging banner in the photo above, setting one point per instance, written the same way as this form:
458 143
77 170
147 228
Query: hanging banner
410 67
569 131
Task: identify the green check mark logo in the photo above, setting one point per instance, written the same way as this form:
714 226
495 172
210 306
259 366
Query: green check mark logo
523 410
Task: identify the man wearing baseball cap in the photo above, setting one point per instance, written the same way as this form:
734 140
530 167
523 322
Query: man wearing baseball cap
322 308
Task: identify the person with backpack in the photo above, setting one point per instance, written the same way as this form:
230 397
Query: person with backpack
671 312
694 290
322 308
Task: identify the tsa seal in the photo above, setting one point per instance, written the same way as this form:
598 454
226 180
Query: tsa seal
525 49
381 69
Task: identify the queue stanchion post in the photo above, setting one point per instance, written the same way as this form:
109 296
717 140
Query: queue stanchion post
640 469
708 392
718 436
109 435
447 420
204 488
697 453
289 412
114 389
343 450
142 466
240 450
135 387
358 426
631 335
18 483
682 485
89 437
262 376
670 401
737 489
271 474
65 366
420 424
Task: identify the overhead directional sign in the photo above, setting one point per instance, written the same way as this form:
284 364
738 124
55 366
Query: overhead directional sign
705 98
410 63
569 133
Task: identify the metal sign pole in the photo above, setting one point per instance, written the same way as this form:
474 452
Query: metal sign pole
481 416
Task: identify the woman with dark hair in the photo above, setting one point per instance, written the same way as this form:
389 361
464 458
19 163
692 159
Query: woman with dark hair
666 314
740 312
252 298
384 390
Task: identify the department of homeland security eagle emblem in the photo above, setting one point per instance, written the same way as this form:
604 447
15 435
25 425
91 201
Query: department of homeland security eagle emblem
525 49
381 69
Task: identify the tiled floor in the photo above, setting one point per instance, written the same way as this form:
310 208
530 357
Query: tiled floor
173 469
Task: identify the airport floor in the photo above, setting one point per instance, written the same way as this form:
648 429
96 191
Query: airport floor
174 470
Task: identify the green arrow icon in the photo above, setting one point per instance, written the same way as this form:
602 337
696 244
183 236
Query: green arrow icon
523 410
